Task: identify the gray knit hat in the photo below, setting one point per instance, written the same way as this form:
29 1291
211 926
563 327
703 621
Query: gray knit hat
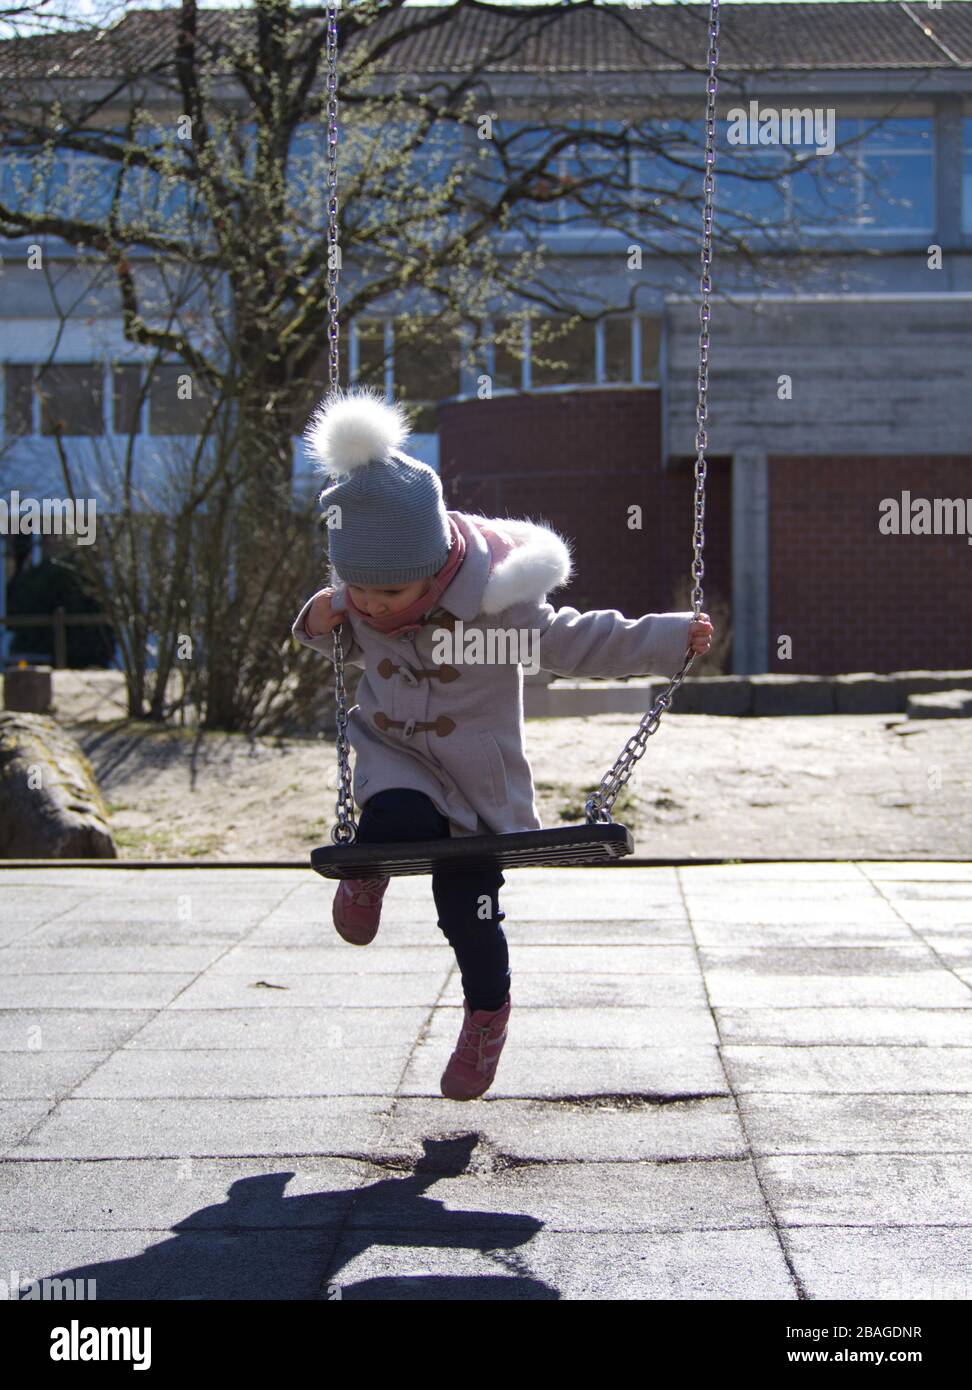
391 526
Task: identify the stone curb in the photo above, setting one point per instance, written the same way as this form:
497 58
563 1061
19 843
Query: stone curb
860 692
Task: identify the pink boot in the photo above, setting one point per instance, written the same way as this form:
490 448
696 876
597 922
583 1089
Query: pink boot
357 908
472 1066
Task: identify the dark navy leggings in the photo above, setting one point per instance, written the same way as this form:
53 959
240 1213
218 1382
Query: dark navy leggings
479 943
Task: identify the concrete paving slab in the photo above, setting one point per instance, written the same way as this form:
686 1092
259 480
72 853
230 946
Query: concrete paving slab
808 1027
68 1030
933 988
346 990
40 959
918 871
44 1075
559 1071
219 932
577 990
872 1189
88 991
195 1195
327 1071
830 872
630 960
17 1119
899 958
832 932
595 1028
626 1197
573 895
762 907
284 1029
917 1263
848 1069
592 1129
334 957
936 916
421 931
167 1128
554 1265
150 1265
848 1123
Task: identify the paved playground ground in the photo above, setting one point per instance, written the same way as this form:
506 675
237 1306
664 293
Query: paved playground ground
730 1082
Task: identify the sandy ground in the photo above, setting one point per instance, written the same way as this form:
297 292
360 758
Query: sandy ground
838 786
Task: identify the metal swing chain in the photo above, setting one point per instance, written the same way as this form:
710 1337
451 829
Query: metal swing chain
599 803
346 829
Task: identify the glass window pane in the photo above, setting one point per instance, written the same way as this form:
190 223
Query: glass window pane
573 351
371 352
507 363
426 359
827 194
897 192
617 350
178 403
71 399
18 400
967 176
126 401
650 344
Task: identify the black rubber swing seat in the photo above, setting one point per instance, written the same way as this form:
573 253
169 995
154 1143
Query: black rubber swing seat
596 843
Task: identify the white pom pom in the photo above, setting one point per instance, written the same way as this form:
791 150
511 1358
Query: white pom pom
350 428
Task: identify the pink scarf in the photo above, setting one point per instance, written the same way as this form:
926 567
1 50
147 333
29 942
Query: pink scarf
409 619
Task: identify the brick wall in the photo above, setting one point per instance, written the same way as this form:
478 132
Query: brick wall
578 460
851 598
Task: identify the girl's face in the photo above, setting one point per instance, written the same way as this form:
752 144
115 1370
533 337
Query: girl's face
381 602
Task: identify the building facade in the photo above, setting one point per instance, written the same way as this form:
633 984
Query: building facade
838 520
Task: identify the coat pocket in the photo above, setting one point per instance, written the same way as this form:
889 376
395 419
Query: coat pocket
497 769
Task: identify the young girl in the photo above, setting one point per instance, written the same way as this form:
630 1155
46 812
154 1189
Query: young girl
428 597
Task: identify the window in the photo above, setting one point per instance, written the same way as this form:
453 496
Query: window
126 399
879 179
572 348
520 151
71 399
617 349
18 401
967 175
426 368
507 344
178 402
650 349
370 333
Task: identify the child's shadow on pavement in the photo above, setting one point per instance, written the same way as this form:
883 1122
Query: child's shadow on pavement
261 1244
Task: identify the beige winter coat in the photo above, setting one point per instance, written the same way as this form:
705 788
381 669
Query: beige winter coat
453 728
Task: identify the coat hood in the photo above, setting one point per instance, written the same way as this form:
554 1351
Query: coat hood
508 560
527 560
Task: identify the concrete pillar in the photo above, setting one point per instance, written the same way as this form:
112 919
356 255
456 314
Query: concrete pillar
750 563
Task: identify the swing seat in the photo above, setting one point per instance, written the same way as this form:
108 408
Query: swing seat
596 843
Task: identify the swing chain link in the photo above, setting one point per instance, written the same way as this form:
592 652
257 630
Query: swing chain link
345 831
599 803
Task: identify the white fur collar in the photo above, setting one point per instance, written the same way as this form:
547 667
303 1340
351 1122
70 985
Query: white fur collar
538 560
